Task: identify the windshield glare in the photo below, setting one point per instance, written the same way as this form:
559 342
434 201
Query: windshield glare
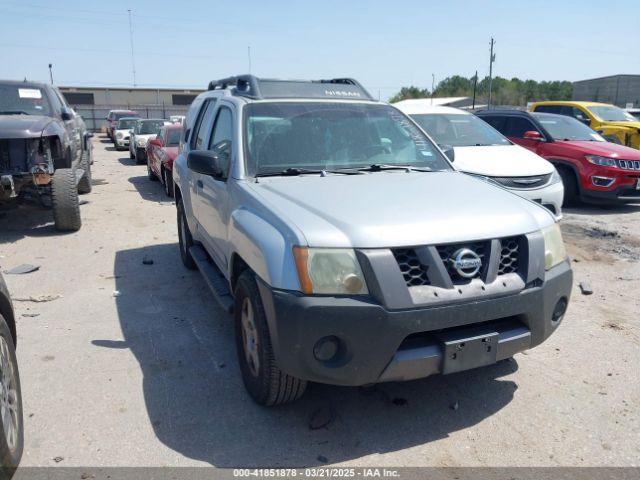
612 114
329 136
15 99
173 137
149 127
126 124
459 130
567 128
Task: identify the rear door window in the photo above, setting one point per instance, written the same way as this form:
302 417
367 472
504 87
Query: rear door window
496 122
516 126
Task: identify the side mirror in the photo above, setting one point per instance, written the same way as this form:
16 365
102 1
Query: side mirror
204 162
449 152
66 114
533 135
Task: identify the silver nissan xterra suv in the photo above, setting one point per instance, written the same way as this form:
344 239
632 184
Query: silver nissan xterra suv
348 247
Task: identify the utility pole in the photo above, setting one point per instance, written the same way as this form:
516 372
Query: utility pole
492 58
249 55
51 72
475 86
133 58
433 86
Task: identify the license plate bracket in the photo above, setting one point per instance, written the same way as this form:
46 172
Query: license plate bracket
469 352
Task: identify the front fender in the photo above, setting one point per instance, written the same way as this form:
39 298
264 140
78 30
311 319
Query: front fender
265 250
181 179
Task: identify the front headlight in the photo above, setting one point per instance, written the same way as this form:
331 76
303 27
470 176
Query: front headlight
602 161
119 135
555 177
554 251
329 271
141 142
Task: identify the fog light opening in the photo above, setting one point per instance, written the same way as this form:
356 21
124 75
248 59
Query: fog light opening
602 181
326 349
559 310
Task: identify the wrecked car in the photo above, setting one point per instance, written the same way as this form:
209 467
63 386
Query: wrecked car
45 150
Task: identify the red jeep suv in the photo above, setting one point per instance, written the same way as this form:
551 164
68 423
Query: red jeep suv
592 169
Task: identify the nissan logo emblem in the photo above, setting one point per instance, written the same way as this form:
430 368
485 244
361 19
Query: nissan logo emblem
466 262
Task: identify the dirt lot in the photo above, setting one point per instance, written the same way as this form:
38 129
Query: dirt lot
149 376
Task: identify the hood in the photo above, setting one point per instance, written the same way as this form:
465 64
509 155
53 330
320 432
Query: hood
604 149
634 125
145 136
500 161
22 126
397 209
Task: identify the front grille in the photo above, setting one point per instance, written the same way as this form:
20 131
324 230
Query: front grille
629 164
447 252
535 181
414 273
509 255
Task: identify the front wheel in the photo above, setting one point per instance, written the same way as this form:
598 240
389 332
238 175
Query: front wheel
263 379
84 185
152 176
64 197
11 423
184 237
571 193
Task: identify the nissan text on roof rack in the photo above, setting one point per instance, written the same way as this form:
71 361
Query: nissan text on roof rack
481 150
348 248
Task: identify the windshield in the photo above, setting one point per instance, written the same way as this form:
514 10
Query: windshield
126 124
567 128
610 113
173 137
17 99
332 136
459 130
119 115
149 127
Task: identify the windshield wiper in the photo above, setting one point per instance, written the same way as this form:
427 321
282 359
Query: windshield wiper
293 171
13 112
379 167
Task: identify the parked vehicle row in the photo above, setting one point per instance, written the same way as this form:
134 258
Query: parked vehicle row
161 153
349 248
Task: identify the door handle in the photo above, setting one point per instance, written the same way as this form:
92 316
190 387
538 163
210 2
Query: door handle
199 184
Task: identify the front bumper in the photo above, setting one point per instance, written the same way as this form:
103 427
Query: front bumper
375 344
122 142
550 197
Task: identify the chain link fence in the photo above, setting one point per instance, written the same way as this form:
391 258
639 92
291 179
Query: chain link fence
95 116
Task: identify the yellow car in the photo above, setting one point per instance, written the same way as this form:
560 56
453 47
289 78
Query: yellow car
611 122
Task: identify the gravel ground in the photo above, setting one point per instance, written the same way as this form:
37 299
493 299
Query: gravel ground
148 377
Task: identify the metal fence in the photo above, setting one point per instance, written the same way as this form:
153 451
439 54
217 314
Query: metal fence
95 116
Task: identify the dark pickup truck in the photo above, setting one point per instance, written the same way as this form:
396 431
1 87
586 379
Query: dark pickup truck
45 150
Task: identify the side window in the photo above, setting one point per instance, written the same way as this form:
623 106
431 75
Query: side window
579 114
516 126
548 109
203 126
222 138
496 122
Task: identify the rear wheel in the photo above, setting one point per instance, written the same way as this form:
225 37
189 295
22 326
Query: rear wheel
167 179
64 196
84 186
184 237
570 183
11 423
263 379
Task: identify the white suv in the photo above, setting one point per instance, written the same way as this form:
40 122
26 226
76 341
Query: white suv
482 150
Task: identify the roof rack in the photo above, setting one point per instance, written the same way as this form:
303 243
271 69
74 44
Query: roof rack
260 88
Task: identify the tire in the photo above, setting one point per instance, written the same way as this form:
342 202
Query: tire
167 179
11 447
84 185
131 155
185 238
263 379
152 176
64 196
570 183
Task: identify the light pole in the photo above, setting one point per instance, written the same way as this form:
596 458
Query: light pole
492 58
51 72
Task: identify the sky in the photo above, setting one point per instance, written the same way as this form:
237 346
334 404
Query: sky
383 44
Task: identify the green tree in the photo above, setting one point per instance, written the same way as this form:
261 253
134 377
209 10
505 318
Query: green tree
410 92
